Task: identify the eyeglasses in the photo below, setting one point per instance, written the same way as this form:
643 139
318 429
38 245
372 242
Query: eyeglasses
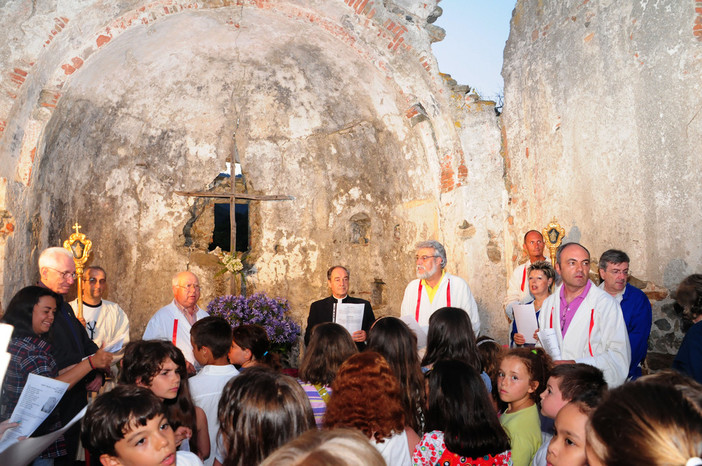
422 258
189 287
64 275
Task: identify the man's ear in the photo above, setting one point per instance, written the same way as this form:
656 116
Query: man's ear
601 273
107 460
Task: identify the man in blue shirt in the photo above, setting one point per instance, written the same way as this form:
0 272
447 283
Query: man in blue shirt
636 308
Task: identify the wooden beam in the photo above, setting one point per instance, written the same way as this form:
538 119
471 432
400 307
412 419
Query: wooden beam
252 197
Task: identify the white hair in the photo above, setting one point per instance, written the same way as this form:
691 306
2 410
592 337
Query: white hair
49 255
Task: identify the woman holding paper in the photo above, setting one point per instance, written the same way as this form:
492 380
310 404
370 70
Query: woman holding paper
31 312
541 279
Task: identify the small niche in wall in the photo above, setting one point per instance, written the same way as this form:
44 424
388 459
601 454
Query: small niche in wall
359 229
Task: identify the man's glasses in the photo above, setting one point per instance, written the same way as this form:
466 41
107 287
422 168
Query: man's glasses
189 287
65 275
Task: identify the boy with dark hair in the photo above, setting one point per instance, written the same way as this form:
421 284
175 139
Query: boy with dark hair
128 426
211 339
566 383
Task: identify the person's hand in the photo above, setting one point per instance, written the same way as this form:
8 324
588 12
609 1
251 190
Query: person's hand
519 339
536 335
95 384
182 433
6 424
190 368
359 336
564 361
102 359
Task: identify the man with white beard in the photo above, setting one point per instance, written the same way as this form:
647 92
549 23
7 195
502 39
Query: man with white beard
434 288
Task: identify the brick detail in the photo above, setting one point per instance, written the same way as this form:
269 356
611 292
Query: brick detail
697 25
49 99
59 25
28 151
447 174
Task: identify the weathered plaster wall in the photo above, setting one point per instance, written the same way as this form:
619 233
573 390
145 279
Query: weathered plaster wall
602 126
108 108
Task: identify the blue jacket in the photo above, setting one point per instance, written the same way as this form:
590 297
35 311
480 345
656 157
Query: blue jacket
636 310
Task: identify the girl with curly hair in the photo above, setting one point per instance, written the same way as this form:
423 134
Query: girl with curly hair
367 397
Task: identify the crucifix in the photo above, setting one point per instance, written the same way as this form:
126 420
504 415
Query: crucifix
232 196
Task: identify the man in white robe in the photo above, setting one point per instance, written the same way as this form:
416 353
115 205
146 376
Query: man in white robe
105 321
173 322
587 321
434 288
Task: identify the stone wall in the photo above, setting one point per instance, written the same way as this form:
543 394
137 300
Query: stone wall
108 108
602 126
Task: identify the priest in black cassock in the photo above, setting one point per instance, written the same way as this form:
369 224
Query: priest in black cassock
324 309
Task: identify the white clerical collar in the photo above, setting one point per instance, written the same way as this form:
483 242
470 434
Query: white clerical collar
339 300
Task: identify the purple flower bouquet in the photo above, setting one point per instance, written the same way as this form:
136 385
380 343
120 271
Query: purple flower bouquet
259 309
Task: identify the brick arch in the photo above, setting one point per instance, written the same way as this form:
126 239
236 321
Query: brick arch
378 36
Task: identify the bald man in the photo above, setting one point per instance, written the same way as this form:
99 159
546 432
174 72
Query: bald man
180 315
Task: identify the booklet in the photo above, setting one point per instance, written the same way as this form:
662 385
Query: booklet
39 397
525 317
23 452
350 316
549 341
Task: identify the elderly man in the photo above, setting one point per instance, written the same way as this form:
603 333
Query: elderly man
518 287
105 321
70 343
636 308
588 322
173 322
323 310
434 288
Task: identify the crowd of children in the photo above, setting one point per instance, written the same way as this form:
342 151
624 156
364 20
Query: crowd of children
467 402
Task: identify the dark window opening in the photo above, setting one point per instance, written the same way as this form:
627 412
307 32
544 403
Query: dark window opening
221 236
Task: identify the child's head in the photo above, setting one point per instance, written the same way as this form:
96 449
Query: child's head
366 396
571 382
128 426
642 422
490 352
394 340
155 364
451 336
338 447
211 339
249 345
259 411
330 345
522 375
567 447
460 407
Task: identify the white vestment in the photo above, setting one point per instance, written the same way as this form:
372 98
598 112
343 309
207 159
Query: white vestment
597 334
461 297
160 327
110 325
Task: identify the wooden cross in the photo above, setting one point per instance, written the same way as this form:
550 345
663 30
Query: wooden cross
233 196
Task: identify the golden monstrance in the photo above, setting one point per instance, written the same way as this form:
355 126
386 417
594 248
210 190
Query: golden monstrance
79 246
553 236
